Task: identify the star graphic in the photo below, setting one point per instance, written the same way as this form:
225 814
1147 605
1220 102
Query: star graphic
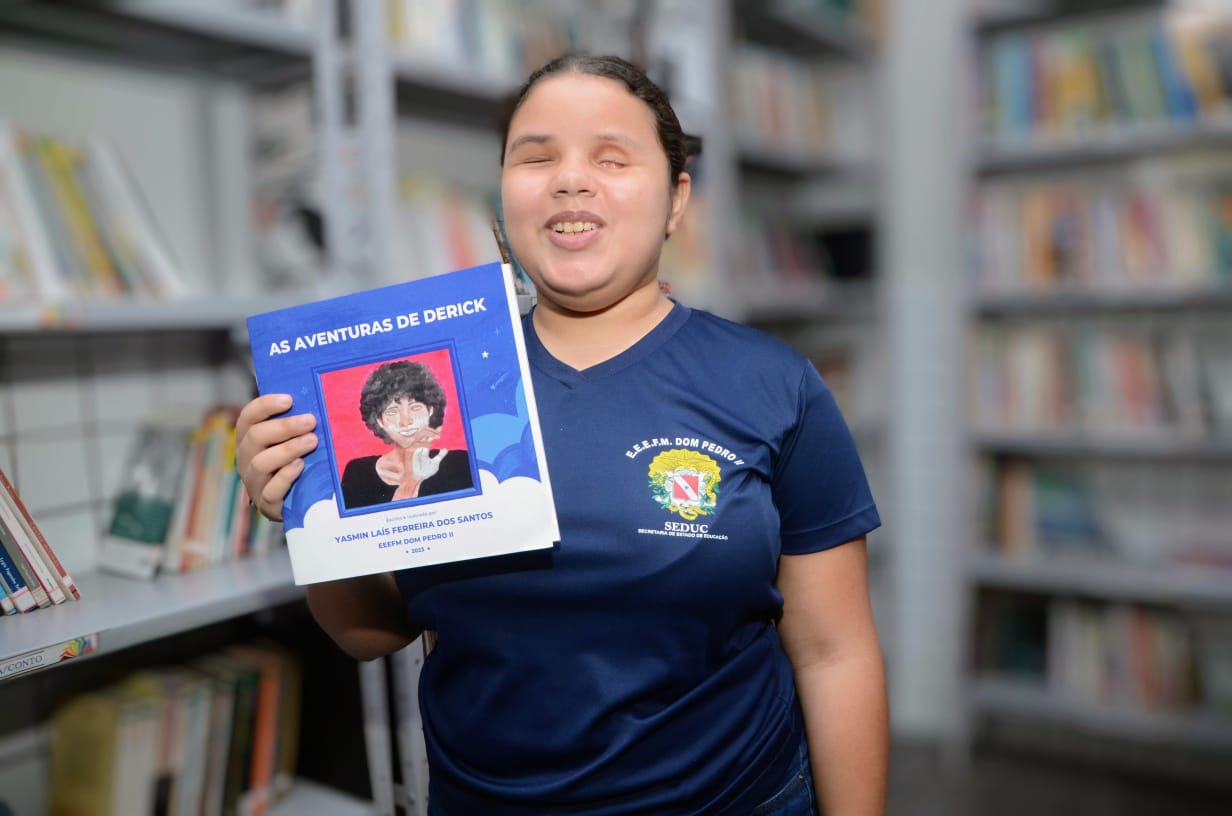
485 355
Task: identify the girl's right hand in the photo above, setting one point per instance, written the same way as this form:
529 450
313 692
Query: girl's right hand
269 452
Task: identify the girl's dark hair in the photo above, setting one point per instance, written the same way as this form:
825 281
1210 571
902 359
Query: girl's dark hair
395 380
677 146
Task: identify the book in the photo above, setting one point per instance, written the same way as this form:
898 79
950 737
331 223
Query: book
136 538
265 727
15 587
19 558
441 362
83 765
242 679
36 248
10 496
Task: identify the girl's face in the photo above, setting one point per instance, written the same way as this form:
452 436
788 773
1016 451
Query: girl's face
585 191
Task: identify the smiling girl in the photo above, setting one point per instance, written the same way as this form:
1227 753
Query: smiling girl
701 642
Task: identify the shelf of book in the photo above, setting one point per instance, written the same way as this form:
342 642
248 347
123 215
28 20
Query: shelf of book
1158 446
1008 14
1063 274
806 27
1107 579
124 612
1104 145
188 314
304 797
795 162
994 695
1090 302
790 298
443 92
173 32
835 201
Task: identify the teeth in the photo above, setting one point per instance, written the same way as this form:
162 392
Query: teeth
575 226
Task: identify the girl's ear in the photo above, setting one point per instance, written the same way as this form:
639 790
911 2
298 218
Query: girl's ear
680 200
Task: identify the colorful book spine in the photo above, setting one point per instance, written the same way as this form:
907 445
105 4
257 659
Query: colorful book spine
18 593
9 494
24 568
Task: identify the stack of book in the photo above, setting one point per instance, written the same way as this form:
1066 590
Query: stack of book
1105 77
73 225
219 734
31 576
806 110
1161 227
1103 379
182 506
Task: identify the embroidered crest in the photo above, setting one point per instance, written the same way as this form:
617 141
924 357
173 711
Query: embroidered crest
685 482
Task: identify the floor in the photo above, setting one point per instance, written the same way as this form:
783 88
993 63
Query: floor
1009 783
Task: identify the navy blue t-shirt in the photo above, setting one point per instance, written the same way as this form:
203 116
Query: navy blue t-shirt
637 668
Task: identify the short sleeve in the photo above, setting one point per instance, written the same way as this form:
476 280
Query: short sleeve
818 484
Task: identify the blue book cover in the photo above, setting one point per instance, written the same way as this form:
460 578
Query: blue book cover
430 449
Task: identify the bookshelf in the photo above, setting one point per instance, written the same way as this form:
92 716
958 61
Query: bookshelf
1099 463
801 84
116 611
173 86
211 313
439 110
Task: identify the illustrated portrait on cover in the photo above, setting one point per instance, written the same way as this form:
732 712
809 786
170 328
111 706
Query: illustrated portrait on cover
397 430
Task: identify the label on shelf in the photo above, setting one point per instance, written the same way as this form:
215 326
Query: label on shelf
42 658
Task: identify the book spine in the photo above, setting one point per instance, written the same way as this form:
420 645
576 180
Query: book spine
30 551
38 246
24 569
72 274
6 603
61 162
15 586
66 581
121 193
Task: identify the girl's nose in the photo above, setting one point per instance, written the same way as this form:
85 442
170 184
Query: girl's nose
573 177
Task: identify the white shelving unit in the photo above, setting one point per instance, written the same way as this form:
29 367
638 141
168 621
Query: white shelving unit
180 39
117 612
1101 583
1158 301
96 317
307 798
203 53
1104 579
226 42
1002 696
821 192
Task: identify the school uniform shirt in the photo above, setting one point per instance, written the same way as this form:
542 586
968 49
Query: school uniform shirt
636 668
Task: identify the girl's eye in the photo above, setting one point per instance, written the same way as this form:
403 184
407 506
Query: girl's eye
609 161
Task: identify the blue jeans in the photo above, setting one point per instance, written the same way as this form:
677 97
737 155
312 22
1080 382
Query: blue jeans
796 797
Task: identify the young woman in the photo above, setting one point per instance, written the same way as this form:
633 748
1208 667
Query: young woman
701 642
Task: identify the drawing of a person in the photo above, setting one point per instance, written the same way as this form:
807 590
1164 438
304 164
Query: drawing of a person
403 404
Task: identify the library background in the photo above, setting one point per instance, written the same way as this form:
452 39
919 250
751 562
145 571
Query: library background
1002 230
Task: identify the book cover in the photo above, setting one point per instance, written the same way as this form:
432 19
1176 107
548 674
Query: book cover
82 770
141 512
430 449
